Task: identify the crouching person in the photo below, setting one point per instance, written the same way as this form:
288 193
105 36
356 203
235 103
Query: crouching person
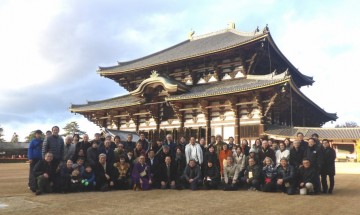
105 174
231 174
252 175
286 177
123 181
269 175
307 178
44 172
141 175
192 175
211 175
88 178
167 174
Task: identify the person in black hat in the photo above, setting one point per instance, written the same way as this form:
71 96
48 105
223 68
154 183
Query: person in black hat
34 156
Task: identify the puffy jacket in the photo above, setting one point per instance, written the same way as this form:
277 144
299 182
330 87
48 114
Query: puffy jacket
35 149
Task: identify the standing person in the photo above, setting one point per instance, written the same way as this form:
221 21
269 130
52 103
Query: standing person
44 173
69 148
108 151
92 154
328 168
182 143
231 144
97 139
119 151
303 143
84 145
48 133
180 164
219 143
288 144
193 151
129 144
34 156
245 147
282 153
265 151
211 155
224 154
145 144
54 144
296 155
315 136
141 175
154 164
170 142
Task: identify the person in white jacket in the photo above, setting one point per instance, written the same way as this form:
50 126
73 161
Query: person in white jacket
193 151
282 153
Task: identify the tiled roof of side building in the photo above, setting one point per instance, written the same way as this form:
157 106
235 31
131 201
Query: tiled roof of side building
324 133
205 44
121 101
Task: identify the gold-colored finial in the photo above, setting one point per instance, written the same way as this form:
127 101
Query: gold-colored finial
154 74
190 35
231 25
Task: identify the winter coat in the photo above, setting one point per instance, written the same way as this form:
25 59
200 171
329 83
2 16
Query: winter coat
329 156
35 149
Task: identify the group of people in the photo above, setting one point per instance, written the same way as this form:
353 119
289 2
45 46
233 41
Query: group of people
114 164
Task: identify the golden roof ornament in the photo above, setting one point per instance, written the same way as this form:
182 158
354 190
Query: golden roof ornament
231 25
154 74
190 35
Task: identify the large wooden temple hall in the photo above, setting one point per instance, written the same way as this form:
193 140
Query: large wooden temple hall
227 82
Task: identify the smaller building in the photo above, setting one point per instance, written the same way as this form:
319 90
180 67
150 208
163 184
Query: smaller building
343 140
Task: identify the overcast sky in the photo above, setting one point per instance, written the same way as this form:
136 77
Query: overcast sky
50 50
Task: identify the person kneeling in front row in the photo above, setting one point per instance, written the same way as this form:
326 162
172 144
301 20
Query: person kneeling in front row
192 175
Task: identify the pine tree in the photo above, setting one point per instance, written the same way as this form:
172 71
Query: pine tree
1 135
72 128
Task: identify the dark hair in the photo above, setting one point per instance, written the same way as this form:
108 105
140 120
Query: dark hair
117 137
151 150
55 127
315 135
297 134
326 140
38 132
312 139
76 135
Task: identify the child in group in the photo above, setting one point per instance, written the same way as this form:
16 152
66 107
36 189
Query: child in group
88 178
79 165
75 181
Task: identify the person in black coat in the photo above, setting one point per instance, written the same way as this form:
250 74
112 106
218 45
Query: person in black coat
154 165
303 143
105 174
265 151
296 155
211 155
180 164
314 154
307 176
211 175
167 174
328 168
92 154
129 144
286 177
108 151
44 172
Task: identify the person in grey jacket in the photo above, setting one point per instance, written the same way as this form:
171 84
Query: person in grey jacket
69 148
191 175
54 144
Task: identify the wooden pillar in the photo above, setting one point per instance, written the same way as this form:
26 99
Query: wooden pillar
181 129
208 128
237 126
137 123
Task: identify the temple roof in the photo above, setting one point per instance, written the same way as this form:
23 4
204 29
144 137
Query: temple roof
121 101
232 86
324 133
198 46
